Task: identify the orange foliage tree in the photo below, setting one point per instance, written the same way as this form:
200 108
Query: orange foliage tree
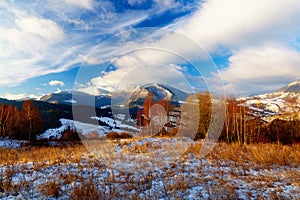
144 115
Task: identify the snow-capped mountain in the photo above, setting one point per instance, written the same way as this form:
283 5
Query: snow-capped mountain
64 97
133 96
271 105
159 92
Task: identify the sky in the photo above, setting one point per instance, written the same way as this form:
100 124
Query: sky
244 47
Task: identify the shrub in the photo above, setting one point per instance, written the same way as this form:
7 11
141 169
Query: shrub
69 134
87 191
125 135
112 135
51 189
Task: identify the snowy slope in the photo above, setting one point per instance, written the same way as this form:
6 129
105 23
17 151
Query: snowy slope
84 128
161 92
80 127
284 101
114 123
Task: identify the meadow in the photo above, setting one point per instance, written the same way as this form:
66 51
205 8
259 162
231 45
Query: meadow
229 171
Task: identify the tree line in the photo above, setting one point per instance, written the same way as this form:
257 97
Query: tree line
20 124
240 124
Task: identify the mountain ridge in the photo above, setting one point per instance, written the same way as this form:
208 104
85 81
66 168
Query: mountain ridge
136 93
291 87
281 102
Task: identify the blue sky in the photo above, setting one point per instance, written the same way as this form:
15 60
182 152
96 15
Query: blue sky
255 45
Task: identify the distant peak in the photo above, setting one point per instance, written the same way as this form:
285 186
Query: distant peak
292 87
297 82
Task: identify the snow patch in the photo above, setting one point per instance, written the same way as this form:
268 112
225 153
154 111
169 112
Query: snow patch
7 143
82 128
116 123
71 101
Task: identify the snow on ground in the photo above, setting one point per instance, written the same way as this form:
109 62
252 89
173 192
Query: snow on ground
72 101
188 177
7 143
82 128
113 123
272 105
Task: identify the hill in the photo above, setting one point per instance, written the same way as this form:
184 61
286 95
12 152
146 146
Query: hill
278 104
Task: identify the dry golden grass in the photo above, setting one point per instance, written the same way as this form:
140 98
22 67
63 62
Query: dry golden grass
87 190
238 158
51 189
52 155
258 155
262 155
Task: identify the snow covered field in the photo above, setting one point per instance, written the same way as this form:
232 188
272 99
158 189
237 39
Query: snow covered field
229 171
85 128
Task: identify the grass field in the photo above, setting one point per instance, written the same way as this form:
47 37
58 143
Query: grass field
229 171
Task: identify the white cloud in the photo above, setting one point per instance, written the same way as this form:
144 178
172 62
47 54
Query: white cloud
235 23
248 29
132 71
135 2
245 28
256 70
56 82
30 33
19 96
27 43
149 57
31 45
87 4
166 4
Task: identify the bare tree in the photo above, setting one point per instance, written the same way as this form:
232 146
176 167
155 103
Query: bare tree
33 122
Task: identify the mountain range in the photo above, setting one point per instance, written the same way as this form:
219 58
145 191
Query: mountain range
59 105
133 97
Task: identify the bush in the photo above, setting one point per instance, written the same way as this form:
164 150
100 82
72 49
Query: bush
51 189
125 135
70 135
112 135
